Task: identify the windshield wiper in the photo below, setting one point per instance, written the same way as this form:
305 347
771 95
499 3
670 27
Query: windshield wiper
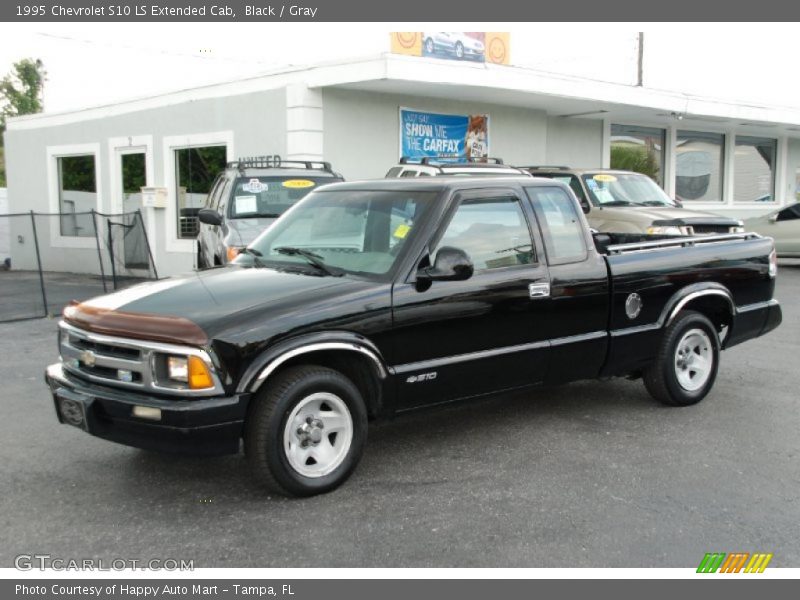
315 260
617 203
255 254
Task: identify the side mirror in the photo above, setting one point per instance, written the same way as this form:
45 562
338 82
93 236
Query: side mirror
451 264
773 218
209 216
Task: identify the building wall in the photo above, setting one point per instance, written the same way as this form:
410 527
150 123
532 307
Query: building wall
574 142
252 124
5 239
361 135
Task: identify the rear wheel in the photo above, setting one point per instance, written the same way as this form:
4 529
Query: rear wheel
306 432
201 262
429 49
459 50
686 365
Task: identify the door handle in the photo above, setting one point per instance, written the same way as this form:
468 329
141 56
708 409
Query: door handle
538 290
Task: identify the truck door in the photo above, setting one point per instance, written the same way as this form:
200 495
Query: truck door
455 339
578 306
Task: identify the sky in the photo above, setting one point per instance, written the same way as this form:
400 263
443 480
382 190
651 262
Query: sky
97 64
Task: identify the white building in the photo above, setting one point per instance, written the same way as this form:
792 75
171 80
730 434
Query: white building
728 158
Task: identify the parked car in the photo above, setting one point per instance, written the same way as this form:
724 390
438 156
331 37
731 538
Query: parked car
376 297
247 197
453 43
782 225
433 167
628 202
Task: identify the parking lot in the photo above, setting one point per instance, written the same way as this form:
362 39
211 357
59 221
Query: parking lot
588 474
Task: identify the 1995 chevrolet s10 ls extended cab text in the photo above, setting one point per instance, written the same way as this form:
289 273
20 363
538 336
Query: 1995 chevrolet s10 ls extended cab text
370 298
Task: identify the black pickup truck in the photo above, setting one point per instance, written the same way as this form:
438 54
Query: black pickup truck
371 298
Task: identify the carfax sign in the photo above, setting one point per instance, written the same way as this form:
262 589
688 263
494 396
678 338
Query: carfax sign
437 135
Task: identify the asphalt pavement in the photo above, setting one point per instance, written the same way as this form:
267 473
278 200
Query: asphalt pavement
588 474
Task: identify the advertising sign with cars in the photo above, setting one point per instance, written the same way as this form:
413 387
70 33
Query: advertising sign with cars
479 46
443 136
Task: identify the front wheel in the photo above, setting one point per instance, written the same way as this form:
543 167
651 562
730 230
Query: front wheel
686 365
459 50
306 431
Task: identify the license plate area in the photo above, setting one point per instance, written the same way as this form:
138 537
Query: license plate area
71 409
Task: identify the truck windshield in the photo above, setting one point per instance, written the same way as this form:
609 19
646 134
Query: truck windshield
358 232
270 196
625 189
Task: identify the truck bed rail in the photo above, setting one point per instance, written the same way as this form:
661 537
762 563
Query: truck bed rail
678 242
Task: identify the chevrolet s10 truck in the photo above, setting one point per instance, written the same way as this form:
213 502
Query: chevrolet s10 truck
371 298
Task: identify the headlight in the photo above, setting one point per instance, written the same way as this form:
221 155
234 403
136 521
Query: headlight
233 252
178 368
191 370
670 230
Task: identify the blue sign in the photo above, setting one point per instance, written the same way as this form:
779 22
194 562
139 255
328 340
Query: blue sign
443 136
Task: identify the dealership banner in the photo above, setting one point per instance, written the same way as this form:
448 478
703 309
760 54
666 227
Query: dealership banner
443 136
477 46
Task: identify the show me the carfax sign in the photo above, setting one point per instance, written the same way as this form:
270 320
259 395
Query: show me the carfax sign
478 46
443 136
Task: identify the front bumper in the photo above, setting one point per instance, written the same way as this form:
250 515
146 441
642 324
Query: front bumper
195 426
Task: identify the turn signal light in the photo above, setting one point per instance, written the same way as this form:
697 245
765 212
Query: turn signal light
233 252
199 375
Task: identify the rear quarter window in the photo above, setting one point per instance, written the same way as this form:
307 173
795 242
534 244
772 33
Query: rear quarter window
561 225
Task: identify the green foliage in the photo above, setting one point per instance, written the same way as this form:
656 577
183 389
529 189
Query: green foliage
21 93
634 158
133 173
198 167
77 173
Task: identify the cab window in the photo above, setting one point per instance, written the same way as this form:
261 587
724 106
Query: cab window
493 232
562 228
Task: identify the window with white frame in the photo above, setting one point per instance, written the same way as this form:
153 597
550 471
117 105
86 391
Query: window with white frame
77 194
754 169
196 168
699 166
639 149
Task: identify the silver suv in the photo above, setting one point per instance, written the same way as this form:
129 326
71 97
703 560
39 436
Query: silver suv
247 197
432 167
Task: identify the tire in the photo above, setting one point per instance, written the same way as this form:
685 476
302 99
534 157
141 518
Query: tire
285 439
201 263
429 49
686 365
459 50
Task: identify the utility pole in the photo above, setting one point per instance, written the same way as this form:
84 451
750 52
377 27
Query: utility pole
640 62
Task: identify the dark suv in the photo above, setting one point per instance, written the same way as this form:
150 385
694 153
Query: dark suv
247 197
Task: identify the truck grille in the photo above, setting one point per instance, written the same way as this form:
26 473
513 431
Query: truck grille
709 229
125 363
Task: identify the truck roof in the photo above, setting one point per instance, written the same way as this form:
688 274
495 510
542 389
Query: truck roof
437 184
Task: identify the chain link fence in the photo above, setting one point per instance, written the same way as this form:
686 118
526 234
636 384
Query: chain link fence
55 258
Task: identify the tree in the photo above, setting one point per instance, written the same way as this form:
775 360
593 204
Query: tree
633 158
21 92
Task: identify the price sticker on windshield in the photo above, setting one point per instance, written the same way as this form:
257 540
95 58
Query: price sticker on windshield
402 231
298 183
604 177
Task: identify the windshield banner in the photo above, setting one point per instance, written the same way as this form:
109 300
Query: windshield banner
443 136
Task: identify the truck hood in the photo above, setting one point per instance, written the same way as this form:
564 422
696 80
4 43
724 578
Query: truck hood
196 307
649 215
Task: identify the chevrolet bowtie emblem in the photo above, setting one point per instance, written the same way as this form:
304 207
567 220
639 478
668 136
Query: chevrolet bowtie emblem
88 358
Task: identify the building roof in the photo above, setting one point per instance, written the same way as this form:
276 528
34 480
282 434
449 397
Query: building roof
559 95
